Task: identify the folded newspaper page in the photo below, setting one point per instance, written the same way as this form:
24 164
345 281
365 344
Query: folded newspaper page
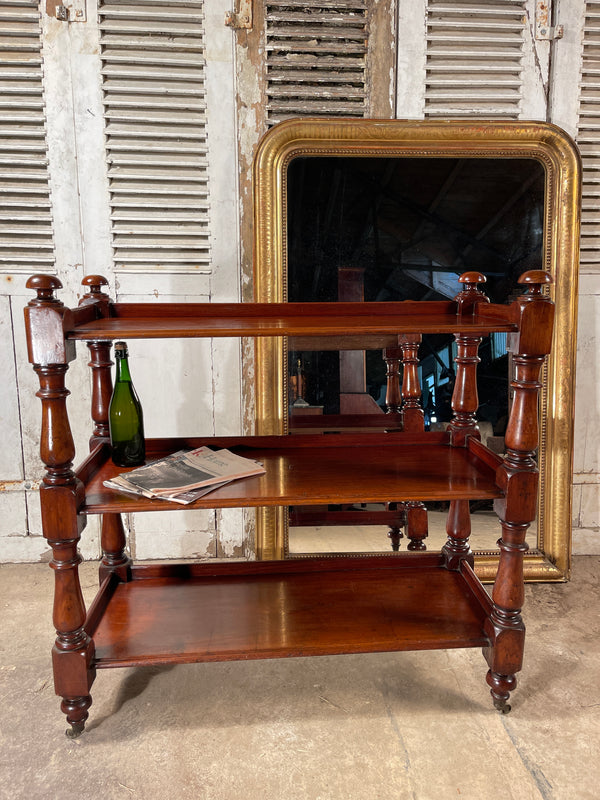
122 485
186 475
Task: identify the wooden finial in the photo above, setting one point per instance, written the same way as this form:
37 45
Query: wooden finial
472 280
95 293
471 294
534 280
44 285
95 282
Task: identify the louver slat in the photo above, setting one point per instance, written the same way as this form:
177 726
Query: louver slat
316 58
588 135
474 54
155 124
26 241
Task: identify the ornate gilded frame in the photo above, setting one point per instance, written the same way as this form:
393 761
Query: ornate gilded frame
550 560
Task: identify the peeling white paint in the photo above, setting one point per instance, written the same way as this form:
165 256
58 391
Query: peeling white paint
535 74
412 48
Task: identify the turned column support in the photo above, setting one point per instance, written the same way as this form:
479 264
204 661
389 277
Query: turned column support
413 418
100 362
61 498
395 531
417 527
458 530
407 399
102 387
393 397
114 542
465 399
517 477
57 449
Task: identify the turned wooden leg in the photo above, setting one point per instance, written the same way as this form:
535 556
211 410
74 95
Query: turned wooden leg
518 478
114 557
73 651
394 535
500 688
458 528
76 709
505 626
416 525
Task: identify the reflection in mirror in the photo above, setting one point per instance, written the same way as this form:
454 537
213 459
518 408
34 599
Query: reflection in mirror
380 228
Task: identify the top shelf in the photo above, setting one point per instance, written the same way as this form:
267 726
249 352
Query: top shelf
185 320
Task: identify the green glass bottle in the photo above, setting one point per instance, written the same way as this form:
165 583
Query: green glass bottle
125 417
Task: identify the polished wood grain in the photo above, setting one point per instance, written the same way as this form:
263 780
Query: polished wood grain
368 605
315 470
344 422
465 400
100 364
412 411
316 516
182 320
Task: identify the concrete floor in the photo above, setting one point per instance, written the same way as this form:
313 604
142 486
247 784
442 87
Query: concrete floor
365 727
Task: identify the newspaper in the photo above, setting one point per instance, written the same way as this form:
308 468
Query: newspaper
186 475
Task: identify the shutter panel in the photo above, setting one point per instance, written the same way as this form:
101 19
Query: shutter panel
154 97
26 242
588 135
316 55
474 55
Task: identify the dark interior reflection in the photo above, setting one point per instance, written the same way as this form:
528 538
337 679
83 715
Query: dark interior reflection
405 229
378 228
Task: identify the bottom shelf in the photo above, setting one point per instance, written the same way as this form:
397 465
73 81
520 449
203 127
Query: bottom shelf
186 613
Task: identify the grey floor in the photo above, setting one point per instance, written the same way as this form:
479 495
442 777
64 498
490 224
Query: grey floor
405 725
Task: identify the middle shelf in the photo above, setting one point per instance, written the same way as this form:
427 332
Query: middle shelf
316 469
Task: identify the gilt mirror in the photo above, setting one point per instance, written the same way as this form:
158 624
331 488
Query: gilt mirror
391 210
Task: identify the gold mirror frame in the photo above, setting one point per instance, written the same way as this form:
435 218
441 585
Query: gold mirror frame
550 560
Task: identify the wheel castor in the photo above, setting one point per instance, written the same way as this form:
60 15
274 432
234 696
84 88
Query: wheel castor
502 706
76 710
500 688
75 730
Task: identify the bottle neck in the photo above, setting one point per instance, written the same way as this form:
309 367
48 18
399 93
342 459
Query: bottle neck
123 374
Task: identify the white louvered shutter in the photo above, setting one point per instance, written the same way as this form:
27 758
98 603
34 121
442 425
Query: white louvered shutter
316 58
588 135
26 242
154 96
474 58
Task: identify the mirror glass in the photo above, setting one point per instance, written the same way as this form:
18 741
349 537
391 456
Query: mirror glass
401 228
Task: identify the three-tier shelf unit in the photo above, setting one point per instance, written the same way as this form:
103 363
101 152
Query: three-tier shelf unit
147 614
